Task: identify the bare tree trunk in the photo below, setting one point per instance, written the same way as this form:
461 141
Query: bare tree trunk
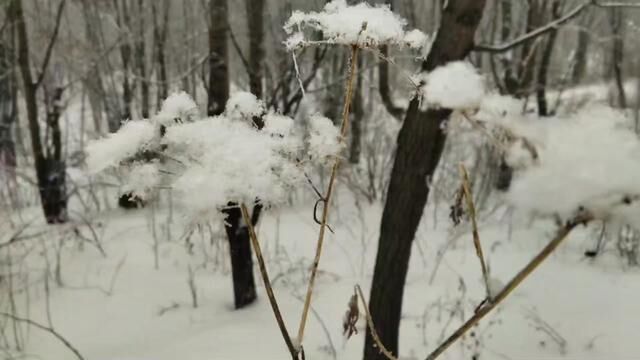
141 59
420 144
357 117
580 55
541 87
255 16
8 104
93 81
218 86
49 165
383 81
616 20
160 31
124 24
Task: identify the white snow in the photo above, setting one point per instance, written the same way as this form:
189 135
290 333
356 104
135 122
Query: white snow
589 159
178 107
324 141
456 85
110 151
361 24
243 105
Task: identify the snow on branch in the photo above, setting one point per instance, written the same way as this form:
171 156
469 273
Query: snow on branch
362 24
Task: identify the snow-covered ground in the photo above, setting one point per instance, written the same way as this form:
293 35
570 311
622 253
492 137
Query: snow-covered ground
121 307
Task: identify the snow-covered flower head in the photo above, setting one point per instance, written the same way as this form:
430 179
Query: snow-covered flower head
179 107
361 24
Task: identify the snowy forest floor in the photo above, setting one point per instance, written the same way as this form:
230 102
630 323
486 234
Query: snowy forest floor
119 306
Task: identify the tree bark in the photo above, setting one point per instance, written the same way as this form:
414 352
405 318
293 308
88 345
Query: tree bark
420 144
218 84
160 31
616 20
580 57
8 104
93 81
255 16
49 165
123 20
541 87
141 60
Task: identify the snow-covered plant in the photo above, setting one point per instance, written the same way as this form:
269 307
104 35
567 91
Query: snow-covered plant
362 25
213 161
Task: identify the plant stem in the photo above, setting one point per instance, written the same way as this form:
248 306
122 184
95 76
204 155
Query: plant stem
561 234
267 282
327 199
372 327
474 223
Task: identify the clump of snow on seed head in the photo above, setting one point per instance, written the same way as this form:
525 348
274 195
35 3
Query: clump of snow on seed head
361 24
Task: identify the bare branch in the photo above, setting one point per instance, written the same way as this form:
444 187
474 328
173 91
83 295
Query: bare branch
553 25
47 329
616 4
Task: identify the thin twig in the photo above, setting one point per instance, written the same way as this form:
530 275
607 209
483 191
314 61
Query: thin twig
476 236
327 197
267 282
481 312
372 327
47 329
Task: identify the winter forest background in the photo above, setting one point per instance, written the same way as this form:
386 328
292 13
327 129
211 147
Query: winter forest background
310 179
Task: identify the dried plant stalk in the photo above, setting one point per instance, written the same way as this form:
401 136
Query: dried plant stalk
267 283
327 198
466 187
560 236
372 327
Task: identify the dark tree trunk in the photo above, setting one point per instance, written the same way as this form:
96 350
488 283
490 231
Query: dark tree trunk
160 31
54 191
543 70
383 81
141 60
529 54
420 144
616 20
356 119
218 86
580 57
123 20
255 16
8 104
244 287
49 165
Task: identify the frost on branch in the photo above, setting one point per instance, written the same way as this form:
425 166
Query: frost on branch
456 85
588 160
343 24
216 160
